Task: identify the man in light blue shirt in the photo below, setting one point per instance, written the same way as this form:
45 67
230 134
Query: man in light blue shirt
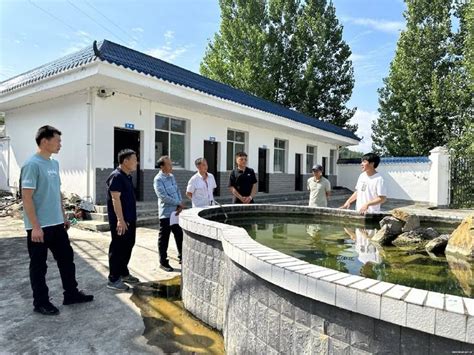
46 225
169 202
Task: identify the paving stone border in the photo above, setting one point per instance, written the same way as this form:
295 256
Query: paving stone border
265 301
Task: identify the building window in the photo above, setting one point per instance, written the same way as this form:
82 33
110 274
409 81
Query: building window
332 161
311 157
235 144
170 137
279 156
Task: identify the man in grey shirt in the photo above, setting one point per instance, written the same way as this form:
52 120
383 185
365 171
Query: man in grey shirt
319 187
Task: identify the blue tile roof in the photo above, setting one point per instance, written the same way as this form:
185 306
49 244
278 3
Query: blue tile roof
389 160
130 59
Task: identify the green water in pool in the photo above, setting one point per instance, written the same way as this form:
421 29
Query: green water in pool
345 245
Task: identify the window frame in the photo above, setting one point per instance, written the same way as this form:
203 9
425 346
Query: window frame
234 142
169 132
277 149
315 157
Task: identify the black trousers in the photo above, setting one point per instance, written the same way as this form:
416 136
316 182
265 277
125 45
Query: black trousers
56 239
120 251
164 238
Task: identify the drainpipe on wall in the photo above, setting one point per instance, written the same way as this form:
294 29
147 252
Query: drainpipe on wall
89 145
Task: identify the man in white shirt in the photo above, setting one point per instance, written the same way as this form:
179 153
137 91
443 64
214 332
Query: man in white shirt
370 191
201 185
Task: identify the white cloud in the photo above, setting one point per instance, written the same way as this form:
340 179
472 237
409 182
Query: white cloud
364 119
6 72
377 24
167 53
354 57
82 39
138 29
169 35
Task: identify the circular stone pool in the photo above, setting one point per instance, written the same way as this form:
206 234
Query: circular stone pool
291 283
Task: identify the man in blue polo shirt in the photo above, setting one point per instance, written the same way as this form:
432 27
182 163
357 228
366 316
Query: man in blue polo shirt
169 201
122 212
46 224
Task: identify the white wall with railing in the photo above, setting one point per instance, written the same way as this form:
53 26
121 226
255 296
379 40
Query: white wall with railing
420 179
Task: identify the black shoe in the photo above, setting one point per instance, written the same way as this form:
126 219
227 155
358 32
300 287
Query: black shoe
78 297
47 309
167 267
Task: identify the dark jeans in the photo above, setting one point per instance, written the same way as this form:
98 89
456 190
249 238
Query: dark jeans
56 239
164 238
120 251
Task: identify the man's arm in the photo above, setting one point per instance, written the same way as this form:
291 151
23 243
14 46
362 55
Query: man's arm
254 191
235 193
67 224
351 199
161 193
376 201
121 224
29 208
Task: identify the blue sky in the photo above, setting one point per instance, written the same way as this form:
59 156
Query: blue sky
34 32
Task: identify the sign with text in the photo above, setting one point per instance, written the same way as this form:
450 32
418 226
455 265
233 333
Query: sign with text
130 125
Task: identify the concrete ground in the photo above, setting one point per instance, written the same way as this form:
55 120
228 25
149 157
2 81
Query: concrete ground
112 323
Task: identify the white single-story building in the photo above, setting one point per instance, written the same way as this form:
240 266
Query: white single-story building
108 97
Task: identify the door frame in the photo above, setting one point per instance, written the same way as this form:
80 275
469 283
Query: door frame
263 178
216 173
138 188
298 172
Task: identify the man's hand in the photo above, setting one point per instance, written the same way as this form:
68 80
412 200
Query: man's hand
67 224
179 208
364 209
346 205
246 199
121 227
37 235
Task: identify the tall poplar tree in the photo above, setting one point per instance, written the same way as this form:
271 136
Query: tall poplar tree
424 102
287 51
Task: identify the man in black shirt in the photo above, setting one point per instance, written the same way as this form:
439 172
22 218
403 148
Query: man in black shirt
122 211
243 182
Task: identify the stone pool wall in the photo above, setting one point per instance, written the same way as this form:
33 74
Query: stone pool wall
265 302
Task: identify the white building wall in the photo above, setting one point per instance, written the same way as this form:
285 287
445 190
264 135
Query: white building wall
69 115
405 181
120 109
4 163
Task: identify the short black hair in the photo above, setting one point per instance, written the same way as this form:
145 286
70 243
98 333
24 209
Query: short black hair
47 132
241 154
372 158
161 161
125 154
199 161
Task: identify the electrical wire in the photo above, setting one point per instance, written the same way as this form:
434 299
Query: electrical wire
97 23
108 19
58 19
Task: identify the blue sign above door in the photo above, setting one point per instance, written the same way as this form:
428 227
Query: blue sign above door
130 125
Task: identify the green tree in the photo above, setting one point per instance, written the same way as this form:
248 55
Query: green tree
287 51
327 76
346 153
237 56
425 101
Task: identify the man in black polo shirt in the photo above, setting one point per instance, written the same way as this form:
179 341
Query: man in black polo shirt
122 211
243 182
